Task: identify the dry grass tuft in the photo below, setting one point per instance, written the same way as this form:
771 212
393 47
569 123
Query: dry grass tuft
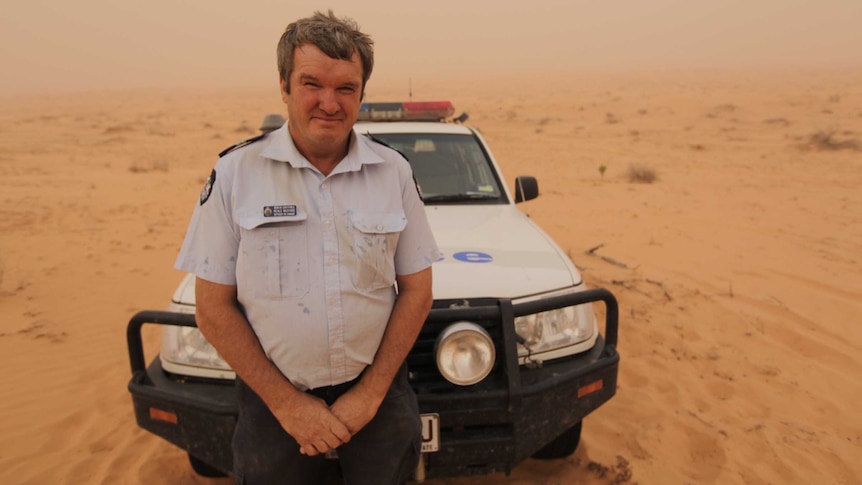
641 174
825 140
244 128
721 110
153 166
113 130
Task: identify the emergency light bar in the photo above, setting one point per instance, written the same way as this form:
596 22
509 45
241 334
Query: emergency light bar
408 111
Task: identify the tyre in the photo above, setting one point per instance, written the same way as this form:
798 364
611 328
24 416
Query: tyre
563 445
204 469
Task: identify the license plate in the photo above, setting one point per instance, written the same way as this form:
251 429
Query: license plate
430 433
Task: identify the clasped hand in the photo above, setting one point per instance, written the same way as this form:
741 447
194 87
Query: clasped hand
318 428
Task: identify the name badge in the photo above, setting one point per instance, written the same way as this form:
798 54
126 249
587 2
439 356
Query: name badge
279 210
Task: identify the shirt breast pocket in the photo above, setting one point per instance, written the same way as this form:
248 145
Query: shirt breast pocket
273 256
375 238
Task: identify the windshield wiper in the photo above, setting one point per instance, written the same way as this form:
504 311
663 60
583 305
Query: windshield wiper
458 197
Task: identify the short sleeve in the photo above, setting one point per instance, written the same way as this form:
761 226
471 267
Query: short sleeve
209 250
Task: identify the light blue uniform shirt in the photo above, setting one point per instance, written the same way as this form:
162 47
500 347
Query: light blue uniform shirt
314 258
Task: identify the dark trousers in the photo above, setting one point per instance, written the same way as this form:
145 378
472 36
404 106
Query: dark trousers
385 451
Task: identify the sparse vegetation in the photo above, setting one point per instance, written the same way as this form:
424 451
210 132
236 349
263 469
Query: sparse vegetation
152 166
112 130
602 169
244 128
611 119
157 132
721 110
826 140
641 174
777 121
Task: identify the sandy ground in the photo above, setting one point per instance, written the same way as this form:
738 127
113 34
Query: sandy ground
738 270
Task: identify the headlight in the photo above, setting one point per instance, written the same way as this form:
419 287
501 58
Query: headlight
186 351
465 353
555 329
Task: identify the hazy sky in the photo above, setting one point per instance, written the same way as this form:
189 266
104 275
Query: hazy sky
56 46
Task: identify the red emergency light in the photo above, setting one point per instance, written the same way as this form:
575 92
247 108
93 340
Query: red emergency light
407 111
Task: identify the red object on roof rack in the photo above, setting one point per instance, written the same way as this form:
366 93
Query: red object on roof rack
407 111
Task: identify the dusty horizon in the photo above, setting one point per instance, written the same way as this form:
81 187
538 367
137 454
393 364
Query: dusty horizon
98 45
741 279
739 292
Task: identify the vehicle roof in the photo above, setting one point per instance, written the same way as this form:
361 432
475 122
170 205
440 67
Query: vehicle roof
410 127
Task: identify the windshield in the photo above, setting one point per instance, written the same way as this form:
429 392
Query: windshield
448 167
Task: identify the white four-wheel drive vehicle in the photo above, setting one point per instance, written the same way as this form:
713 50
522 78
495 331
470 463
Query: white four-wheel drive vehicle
509 361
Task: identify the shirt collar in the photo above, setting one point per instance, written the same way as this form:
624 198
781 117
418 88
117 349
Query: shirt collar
279 146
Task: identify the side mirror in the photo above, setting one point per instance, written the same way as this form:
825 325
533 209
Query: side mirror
526 188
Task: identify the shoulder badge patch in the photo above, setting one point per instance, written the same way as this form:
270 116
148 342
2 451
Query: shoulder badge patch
208 187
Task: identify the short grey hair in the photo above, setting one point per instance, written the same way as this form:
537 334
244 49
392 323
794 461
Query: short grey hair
338 38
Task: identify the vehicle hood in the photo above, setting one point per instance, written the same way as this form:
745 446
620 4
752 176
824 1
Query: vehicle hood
489 251
494 251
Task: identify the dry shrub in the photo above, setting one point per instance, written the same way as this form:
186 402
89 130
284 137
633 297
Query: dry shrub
244 128
112 130
641 174
721 110
153 166
825 140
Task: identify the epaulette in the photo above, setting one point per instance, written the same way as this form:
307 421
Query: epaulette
241 144
377 140
381 142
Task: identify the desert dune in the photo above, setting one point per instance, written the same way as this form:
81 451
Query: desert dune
727 220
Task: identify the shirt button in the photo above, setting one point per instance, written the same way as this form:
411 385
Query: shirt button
379 227
327 223
324 186
330 261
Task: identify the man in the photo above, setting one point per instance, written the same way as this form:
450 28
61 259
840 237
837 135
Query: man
297 243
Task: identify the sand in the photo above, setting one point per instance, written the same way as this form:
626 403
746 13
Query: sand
738 269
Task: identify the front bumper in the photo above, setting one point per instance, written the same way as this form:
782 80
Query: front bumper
482 429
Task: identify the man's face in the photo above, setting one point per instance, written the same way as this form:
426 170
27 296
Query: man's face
324 100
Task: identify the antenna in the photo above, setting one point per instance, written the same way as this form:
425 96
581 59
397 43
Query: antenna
519 188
